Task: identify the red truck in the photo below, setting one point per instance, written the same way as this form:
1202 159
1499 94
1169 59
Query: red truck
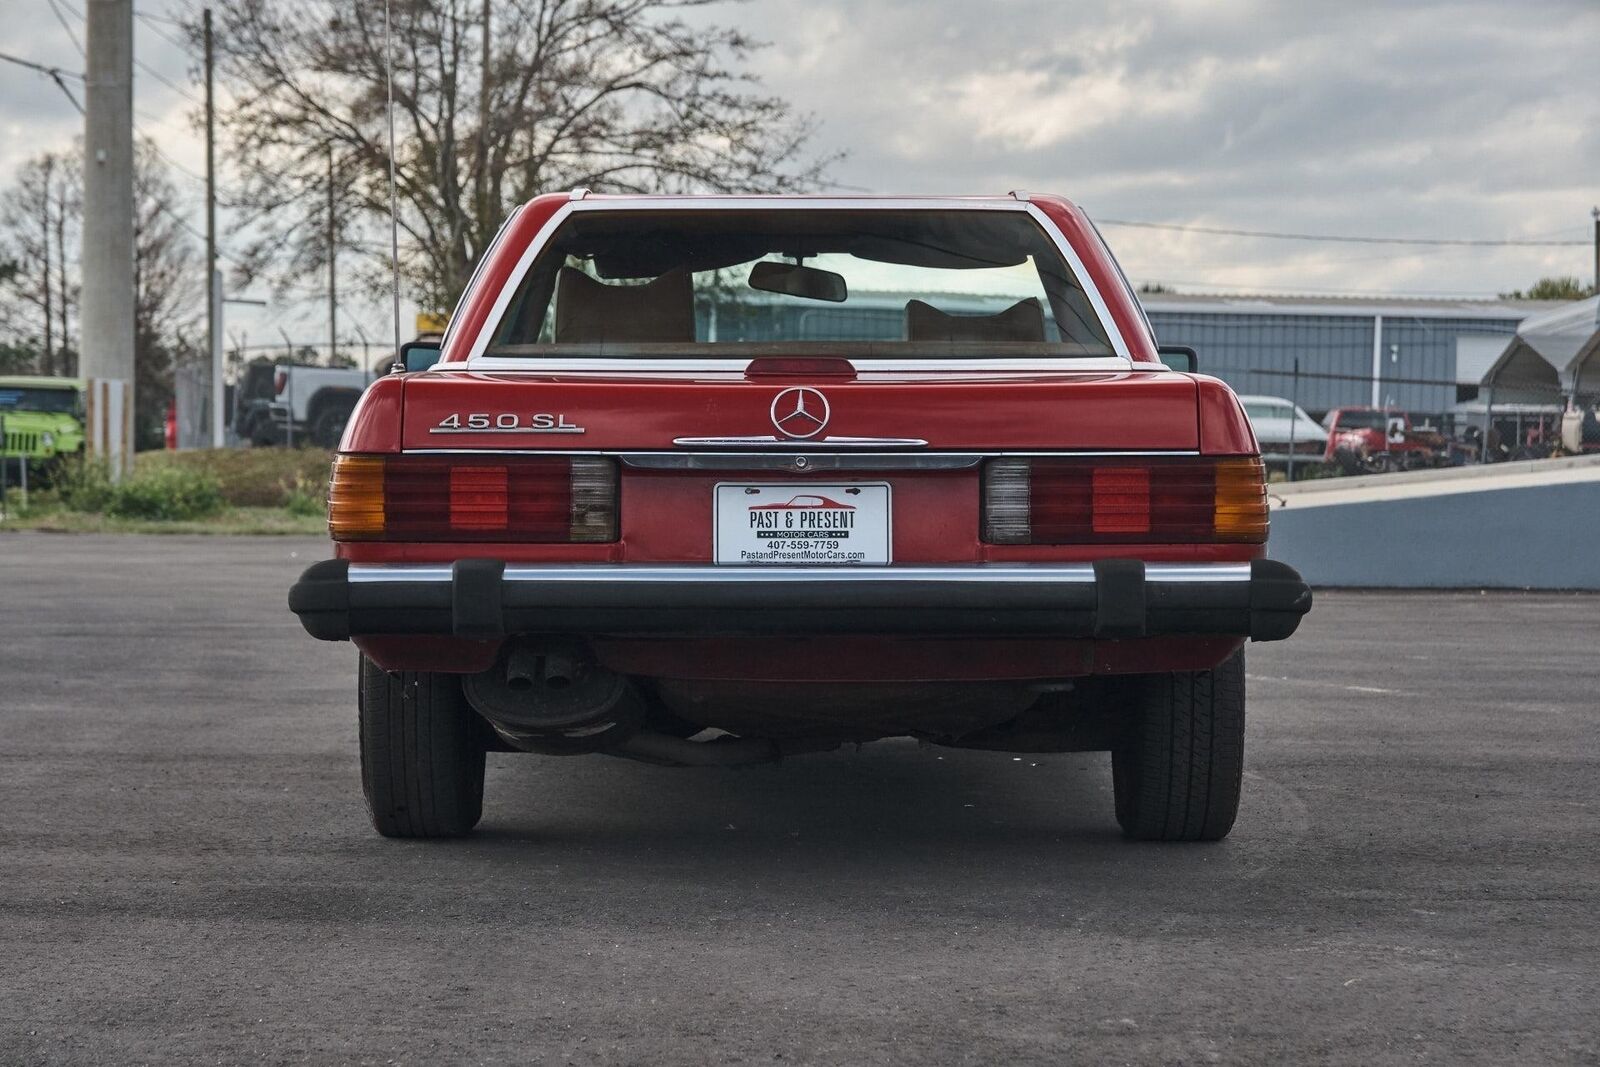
706 481
1366 440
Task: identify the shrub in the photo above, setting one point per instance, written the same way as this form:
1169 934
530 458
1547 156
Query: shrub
249 477
307 496
84 484
166 493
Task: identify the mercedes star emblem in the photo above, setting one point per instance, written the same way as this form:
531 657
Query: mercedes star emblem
800 412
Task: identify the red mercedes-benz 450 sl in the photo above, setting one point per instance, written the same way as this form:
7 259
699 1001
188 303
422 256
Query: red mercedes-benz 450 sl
718 480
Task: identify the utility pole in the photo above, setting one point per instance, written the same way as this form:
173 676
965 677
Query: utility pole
481 162
61 272
47 364
108 304
366 353
213 279
333 275
1594 213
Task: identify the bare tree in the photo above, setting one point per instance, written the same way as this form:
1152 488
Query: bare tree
40 228
169 294
496 101
38 216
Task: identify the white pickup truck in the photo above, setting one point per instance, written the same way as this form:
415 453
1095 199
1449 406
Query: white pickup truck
310 405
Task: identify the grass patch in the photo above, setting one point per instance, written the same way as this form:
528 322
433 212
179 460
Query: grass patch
50 517
226 491
250 477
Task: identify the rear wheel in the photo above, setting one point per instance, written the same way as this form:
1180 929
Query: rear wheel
421 754
1178 771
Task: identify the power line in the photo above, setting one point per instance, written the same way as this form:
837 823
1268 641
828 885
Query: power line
55 74
149 16
164 35
164 80
141 64
71 33
1340 238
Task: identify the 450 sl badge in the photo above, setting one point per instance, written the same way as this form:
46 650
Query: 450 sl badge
505 422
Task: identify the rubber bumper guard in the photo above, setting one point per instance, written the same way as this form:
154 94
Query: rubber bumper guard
477 600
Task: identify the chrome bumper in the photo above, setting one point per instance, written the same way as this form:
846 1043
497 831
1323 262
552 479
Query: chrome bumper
1108 599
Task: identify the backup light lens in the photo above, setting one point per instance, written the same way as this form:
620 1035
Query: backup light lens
556 499
1119 500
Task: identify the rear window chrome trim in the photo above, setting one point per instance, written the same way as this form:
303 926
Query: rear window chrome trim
736 366
502 302
1020 573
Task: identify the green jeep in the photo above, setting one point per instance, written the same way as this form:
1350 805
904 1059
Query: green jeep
42 419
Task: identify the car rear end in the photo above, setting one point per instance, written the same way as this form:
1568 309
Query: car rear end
797 473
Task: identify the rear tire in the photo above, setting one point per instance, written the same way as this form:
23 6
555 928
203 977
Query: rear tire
422 754
1178 772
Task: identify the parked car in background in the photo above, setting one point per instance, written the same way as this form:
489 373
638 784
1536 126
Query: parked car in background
296 403
43 420
1282 428
1370 440
600 524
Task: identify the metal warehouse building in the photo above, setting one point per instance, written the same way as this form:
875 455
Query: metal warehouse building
1421 355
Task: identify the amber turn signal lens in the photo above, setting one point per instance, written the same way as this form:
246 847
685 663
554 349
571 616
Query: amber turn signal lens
355 498
1240 509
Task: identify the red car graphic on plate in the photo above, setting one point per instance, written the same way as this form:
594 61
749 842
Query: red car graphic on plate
804 501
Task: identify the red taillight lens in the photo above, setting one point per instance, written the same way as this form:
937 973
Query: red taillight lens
1124 499
279 380
437 498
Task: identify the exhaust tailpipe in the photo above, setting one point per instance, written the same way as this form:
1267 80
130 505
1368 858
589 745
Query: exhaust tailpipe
552 697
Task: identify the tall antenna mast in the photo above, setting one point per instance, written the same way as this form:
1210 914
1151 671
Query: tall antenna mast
394 219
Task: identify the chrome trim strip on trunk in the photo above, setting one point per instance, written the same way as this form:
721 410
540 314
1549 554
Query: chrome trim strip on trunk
731 461
999 573
799 443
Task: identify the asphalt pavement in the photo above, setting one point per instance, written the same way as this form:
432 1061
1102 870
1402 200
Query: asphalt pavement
187 873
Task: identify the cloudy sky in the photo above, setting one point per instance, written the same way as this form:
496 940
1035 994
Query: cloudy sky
1453 119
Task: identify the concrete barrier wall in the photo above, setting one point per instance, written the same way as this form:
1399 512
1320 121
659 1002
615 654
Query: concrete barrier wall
1518 526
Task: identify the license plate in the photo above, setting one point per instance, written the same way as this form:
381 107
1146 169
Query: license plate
801 524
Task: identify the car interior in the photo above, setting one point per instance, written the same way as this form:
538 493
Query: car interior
605 280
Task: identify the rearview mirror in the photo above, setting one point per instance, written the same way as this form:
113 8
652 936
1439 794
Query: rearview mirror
419 355
1179 357
792 279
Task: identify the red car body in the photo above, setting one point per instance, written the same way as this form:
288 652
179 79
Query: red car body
966 629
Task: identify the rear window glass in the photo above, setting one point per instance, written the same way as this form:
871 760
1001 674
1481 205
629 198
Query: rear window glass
733 282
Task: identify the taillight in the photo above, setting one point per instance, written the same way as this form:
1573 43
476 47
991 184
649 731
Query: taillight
1123 499
279 380
478 498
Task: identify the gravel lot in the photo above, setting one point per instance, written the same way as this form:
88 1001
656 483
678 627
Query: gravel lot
187 872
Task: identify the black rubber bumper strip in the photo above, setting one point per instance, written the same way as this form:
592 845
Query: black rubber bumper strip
1122 602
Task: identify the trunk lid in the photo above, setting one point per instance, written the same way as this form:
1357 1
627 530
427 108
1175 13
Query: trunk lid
1079 410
